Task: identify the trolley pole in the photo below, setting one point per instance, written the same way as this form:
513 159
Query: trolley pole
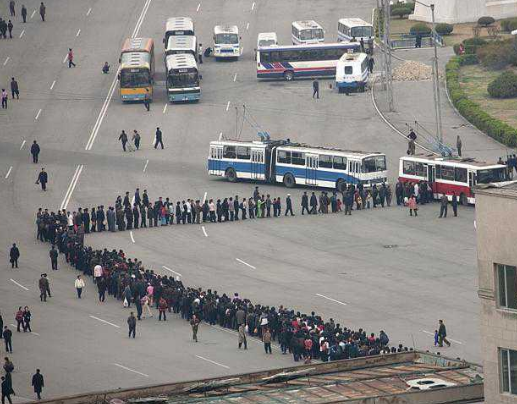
438 108
387 52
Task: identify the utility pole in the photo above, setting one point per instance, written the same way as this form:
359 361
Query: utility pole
387 52
380 27
436 83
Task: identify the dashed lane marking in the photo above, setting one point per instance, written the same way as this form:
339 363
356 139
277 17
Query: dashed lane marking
450 339
23 144
32 15
204 231
214 362
89 11
198 7
78 32
8 172
6 60
253 6
228 106
131 370
104 321
330 299
247 26
165 108
18 284
171 270
22 33
146 164
234 78
131 235
245 263
53 84
38 114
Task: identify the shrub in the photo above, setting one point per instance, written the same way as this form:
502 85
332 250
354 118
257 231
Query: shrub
444 29
486 21
466 60
400 12
420 28
504 86
494 128
472 44
497 55
509 24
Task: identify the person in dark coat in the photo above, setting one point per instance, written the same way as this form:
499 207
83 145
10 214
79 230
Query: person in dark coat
38 383
15 91
14 255
7 389
454 204
53 257
24 13
111 219
305 203
42 179
136 215
314 204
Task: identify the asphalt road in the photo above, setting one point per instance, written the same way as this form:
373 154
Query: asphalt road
377 269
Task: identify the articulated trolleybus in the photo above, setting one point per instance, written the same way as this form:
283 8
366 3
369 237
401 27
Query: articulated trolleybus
448 175
295 164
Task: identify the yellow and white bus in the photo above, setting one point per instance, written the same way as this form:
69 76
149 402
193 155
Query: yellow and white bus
136 72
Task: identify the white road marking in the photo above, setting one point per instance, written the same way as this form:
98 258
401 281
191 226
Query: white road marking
34 333
38 114
245 263
198 7
204 231
132 200
89 11
204 197
131 370
247 26
165 108
23 144
234 79
66 58
211 361
71 187
228 106
8 172
253 6
78 32
332 300
170 270
145 167
21 33
19 284
32 15
104 321
131 235
6 60
107 101
53 84
220 135
450 339
252 339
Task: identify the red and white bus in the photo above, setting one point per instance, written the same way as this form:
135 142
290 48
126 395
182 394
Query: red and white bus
448 174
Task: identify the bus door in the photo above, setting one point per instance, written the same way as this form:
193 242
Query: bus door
257 163
431 177
311 170
354 170
472 182
216 154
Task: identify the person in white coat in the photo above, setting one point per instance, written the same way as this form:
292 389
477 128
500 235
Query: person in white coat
79 285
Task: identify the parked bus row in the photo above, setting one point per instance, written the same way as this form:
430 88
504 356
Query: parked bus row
348 29
294 164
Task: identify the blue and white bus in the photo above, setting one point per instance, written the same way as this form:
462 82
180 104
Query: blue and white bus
352 72
295 164
290 62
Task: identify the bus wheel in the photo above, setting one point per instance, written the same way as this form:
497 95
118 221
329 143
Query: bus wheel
289 181
341 185
289 75
463 200
231 175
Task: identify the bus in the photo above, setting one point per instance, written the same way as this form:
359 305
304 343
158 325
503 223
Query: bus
307 32
136 71
352 72
448 175
226 42
295 164
183 26
180 44
349 29
295 61
266 39
182 78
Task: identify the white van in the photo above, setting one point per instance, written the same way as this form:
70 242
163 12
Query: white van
226 41
352 72
307 32
266 39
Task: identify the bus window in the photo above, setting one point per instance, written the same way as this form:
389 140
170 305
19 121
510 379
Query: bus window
446 173
325 161
243 153
134 78
374 164
408 167
349 69
492 175
229 152
460 174
420 170
284 157
298 158
339 163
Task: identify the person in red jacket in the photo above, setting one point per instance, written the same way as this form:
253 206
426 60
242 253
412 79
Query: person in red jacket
162 308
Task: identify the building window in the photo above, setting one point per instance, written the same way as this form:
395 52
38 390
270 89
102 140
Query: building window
508 370
507 286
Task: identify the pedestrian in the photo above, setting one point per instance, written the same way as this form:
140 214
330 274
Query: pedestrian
412 206
8 339
27 317
242 336
459 144
24 13
1 326
123 139
8 366
200 54
444 201
38 383
4 99
35 150
42 179
316 89
305 203
106 68
162 309
44 288
136 141
14 255
53 253
12 9
19 319
147 100
79 285
158 138
442 334
7 390
70 58
194 323
10 29
454 203
288 205
411 142
131 323
42 11
371 63
266 339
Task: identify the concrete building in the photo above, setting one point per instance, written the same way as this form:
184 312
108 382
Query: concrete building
496 224
458 11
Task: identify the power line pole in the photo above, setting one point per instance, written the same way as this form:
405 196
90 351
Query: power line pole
387 52
380 29
436 83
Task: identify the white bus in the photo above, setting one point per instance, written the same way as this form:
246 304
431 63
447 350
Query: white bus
181 44
307 32
352 72
266 39
294 61
295 164
226 41
349 29
182 78
178 26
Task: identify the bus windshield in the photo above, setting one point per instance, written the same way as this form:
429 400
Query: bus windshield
227 39
491 175
311 34
364 32
134 78
182 80
374 164
267 42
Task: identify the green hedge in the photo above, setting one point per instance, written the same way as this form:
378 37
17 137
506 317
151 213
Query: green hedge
493 127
